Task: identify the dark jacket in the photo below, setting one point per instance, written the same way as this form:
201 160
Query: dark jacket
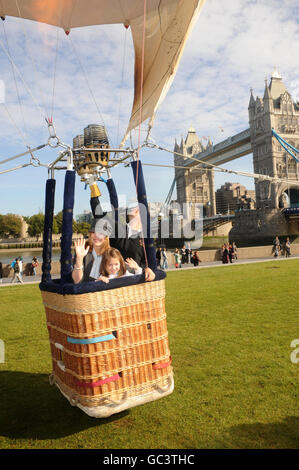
130 248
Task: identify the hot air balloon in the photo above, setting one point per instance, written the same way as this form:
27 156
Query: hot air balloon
109 343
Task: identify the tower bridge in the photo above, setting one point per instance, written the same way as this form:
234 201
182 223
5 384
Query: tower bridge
276 110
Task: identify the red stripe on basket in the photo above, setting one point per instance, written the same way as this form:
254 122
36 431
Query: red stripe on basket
162 365
99 382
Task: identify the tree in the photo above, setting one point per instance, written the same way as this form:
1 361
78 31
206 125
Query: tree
36 225
83 227
57 221
10 225
75 226
55 227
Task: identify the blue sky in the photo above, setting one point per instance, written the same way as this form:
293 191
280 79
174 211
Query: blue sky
234 47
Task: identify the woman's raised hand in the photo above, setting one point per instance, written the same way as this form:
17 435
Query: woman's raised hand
80 249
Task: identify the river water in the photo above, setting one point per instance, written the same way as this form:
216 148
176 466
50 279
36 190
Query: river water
9 255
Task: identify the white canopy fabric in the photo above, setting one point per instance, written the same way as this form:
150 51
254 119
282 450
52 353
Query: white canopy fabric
168 25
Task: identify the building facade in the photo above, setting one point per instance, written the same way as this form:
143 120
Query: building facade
232 197
85 217
194 185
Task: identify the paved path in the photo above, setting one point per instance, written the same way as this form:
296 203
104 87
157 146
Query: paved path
219 264
212 264
6 281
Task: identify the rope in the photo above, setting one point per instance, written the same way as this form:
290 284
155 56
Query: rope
24 153
14 68
218 168
141 87
45 112
154 145
15 125
54 76
122 82
87 82
15 81
140 117
30 150
22 78
15 168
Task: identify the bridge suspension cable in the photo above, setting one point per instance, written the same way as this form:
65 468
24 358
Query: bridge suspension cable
169 195
285 144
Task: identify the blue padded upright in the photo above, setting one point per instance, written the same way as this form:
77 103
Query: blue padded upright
48 227
142 199
67 226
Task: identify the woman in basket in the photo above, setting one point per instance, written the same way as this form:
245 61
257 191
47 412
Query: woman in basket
113 266
88 253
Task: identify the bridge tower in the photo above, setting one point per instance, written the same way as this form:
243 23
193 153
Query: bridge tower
194 186
275 110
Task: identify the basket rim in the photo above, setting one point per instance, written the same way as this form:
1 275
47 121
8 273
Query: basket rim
71 288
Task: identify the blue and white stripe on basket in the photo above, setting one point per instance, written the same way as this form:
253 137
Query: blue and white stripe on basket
99 339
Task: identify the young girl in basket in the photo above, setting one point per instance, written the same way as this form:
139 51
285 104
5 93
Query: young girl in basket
113 266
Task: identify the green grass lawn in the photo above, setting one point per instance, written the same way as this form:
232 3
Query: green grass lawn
230 330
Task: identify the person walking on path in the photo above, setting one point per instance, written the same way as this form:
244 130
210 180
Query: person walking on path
34 265
224 254
177 259
184 255
276 246
188 254
16 270
235 251
195 258
158 257
21 267
164 259
288 247
231 253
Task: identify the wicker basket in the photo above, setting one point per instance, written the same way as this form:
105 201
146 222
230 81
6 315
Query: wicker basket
110 348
